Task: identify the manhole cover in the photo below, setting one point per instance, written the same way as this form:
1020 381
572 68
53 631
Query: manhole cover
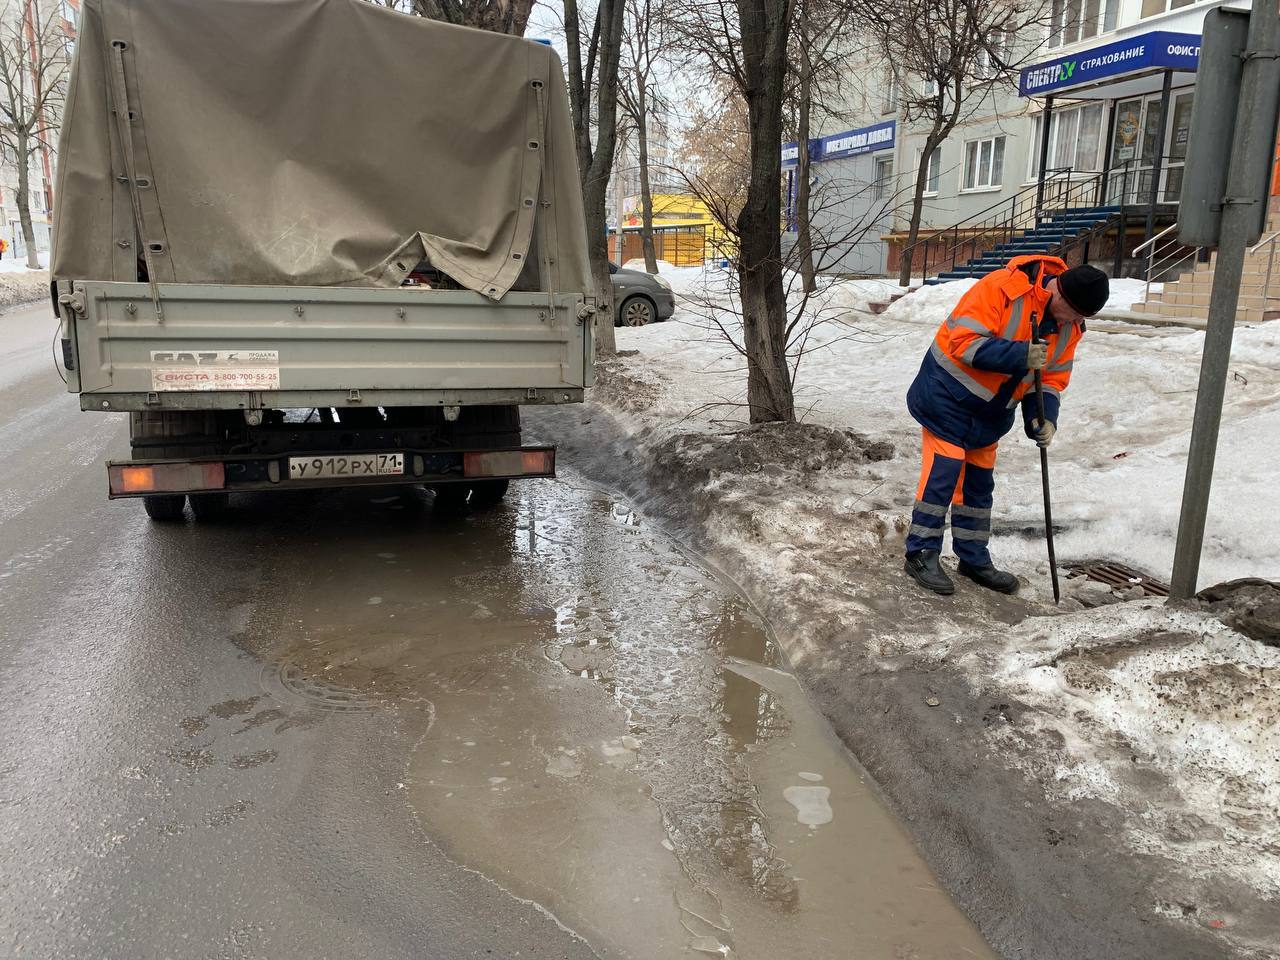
290 683
1118 576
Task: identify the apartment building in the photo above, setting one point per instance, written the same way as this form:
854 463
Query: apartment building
1115 79
852 173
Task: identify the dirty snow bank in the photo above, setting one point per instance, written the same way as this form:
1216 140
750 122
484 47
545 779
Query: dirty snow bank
22 286
1151 725
1173 718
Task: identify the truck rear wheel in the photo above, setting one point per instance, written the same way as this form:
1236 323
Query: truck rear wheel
165 507
488 493
480 428
209 506
451 499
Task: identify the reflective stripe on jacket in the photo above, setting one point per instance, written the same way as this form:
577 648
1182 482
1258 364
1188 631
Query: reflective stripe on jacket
975 373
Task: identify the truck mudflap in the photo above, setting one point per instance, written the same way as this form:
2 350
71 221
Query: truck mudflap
235 474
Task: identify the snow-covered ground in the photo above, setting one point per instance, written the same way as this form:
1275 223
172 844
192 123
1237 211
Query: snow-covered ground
1118 459
11 264
1125 292
1167 716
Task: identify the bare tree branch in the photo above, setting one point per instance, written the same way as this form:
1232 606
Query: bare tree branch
34 66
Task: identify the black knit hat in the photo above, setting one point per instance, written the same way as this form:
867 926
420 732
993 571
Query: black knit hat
1086 289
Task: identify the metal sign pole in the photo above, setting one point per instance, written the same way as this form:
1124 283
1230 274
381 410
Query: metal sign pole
1248 173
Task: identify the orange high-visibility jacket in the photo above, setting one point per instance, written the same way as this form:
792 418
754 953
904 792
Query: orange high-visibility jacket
975 373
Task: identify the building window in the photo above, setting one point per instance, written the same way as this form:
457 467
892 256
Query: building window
883 186
983 163
993 57
1075 140
1074 20
935 171
890 103
1153 8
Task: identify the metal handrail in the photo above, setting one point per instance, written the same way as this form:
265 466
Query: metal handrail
1174 253
1164 264
978 220
1167 230
1263 242
1271 262
1004 219
1015 223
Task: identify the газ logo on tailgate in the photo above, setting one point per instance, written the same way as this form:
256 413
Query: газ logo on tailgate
231 357
215 370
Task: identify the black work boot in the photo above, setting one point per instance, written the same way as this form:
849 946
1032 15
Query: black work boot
924 568
991 578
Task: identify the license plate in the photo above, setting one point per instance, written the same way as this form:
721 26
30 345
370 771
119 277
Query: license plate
354 465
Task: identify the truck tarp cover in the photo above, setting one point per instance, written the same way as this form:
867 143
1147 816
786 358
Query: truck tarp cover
312 142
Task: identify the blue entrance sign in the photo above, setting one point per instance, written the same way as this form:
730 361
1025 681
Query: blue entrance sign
853 143
1177 51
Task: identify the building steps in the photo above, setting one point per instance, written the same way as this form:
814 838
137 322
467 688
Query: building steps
1047 237
1186 300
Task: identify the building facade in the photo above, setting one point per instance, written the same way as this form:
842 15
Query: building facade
852 173
1116 79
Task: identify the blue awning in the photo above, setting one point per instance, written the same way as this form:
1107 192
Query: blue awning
1156 50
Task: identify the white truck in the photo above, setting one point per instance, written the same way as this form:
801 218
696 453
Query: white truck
316 242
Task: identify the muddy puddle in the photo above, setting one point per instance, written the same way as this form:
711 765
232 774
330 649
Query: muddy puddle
601 726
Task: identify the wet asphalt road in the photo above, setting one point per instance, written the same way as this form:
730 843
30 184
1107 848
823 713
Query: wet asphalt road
337 725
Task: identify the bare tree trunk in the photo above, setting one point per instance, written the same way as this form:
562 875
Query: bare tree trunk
804 230
764 27
907 259
595 163
646 191
24 204
942 127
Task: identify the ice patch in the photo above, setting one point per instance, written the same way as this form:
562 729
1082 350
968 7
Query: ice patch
813 806
564 766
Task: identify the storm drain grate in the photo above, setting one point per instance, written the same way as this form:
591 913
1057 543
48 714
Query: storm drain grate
290 683
1118 576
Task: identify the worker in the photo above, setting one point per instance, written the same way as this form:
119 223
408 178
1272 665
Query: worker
4 246
978 369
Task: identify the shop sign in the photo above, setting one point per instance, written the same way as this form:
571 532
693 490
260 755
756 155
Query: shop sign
851 143
1179 51
854 143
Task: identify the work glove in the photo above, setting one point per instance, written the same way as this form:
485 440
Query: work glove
1037 355
1043 434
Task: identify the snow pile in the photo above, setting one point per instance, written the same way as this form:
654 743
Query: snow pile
1169 715
23 286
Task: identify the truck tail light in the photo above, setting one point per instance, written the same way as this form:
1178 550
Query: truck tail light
135 480
510 463
131 479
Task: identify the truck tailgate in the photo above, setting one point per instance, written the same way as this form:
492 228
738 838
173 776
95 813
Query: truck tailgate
225 346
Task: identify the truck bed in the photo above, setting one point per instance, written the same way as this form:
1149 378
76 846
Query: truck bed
228 347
